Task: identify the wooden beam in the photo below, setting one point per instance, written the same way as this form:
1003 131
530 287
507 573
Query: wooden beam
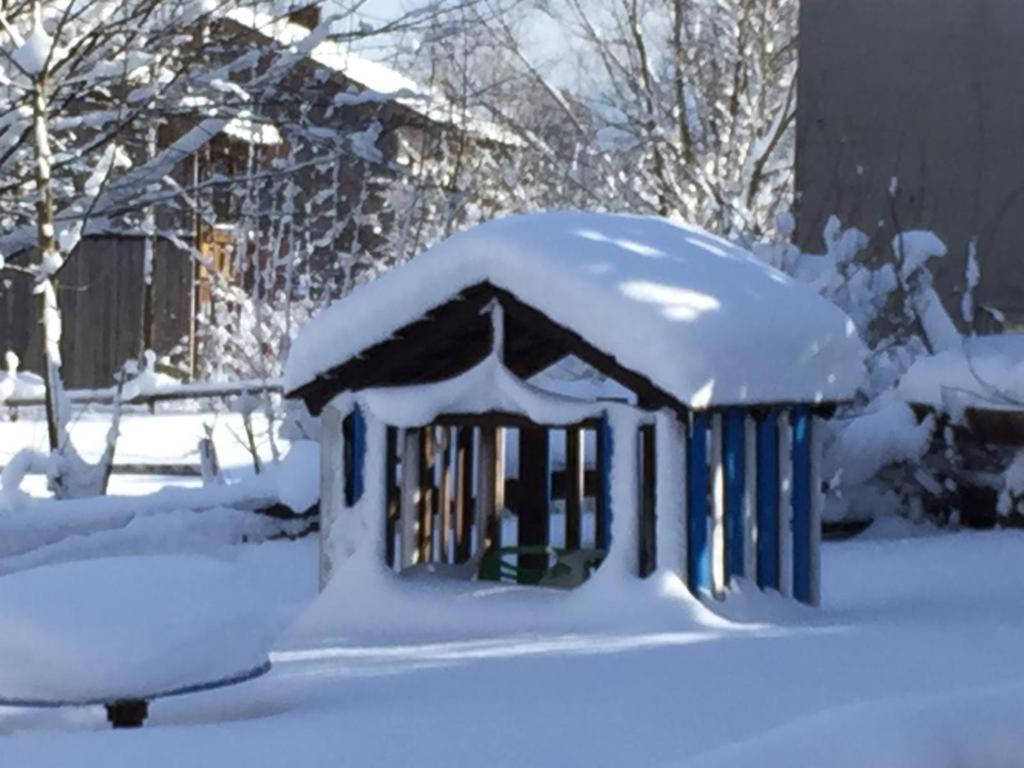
574 486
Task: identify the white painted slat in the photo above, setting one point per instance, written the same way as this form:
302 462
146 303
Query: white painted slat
718 577
332 486
670 493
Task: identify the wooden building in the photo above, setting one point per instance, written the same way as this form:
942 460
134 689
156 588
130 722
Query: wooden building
427 379
102 288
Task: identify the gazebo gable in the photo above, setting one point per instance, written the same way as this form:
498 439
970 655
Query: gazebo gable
452 338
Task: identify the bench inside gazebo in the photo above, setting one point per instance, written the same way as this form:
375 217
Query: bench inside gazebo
437 417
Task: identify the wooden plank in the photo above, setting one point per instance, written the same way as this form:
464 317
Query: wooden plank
802 503
717 467
734 435
785 504
647 555
409 506
698 553
534 504
463 494
768 501
392 494
445 503
428 495
574 487
603 502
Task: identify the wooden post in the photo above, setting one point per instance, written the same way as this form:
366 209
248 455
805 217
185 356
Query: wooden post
445 512
768 501
785 504
409 507
648 550
749 497
391 494
802 504
603 506
534 494
698 554
718 573
575 468
332 482
734 458
817 506
499 484
463 494
428 495
485 491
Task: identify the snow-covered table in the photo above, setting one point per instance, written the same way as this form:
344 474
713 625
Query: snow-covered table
124 631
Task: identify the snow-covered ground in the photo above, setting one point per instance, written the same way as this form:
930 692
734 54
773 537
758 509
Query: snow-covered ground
914 660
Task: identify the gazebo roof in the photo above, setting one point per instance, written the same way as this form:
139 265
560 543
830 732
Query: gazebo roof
702 320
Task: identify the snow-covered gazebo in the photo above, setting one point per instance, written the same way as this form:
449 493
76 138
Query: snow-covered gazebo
436 415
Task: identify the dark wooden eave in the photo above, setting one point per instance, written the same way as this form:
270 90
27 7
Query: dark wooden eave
452 338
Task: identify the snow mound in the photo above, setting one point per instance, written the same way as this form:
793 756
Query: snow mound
126 627
705 320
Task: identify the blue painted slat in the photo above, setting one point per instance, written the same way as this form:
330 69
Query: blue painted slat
605 447
802 504
734 461
355 455
698 553
768 502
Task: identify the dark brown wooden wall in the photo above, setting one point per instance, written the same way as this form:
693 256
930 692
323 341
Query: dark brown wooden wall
101 296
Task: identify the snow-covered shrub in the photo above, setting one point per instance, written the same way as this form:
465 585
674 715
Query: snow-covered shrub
879 456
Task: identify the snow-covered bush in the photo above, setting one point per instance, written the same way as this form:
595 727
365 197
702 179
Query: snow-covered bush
879 454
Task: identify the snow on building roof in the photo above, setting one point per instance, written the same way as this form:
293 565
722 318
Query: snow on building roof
382 83
701 318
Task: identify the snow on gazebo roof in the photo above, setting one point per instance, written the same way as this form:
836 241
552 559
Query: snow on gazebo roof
703 319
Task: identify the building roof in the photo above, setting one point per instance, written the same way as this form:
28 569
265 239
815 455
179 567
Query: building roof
701 319
381 82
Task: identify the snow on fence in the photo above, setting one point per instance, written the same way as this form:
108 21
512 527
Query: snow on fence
156 394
